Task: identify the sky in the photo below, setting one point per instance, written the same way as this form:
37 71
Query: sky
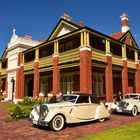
38 18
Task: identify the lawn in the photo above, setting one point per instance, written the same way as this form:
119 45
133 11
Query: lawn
127 132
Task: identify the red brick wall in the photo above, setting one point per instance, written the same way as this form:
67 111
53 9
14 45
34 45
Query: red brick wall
0 84
137 80
109 79
85 72
56 76
125 77
19 92
36 80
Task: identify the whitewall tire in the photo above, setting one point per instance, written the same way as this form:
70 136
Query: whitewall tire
57 123
134 111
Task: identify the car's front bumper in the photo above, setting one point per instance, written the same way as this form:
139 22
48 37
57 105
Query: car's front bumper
38 122
120 110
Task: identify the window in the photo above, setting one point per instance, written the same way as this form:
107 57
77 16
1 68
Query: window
66 84
83 99
4 64
98 84
66 46
46 51
29 56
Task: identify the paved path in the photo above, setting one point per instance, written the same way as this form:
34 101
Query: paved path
23 129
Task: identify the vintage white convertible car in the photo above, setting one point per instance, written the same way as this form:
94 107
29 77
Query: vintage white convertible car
129 104
73 108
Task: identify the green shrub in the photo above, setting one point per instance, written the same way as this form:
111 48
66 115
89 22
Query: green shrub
32 101
16 111
20 111
1 98
23 109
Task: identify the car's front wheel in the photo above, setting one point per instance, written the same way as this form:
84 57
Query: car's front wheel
57 123
134 111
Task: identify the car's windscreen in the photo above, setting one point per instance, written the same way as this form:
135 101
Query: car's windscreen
69 98
131 97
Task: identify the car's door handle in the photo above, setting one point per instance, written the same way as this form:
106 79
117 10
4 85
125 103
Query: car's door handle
70 110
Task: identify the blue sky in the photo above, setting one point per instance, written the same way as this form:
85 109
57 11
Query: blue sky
38 17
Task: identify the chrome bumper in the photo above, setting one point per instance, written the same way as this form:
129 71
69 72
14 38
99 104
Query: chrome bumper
38 122
121 110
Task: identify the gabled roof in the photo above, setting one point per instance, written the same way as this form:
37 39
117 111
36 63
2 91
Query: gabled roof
117 35
63 27
125 37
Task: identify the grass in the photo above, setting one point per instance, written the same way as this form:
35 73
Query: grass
127 132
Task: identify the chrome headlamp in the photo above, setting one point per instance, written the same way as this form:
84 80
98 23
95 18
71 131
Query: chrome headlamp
43 112
126 104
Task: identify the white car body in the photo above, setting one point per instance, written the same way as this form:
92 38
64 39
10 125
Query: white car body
72 111
128 103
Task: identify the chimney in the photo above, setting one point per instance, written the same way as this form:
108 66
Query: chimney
125 24
67 17
81 24
27 37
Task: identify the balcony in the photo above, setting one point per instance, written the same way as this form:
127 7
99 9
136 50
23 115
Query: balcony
29 66
98 55
131 64
117 60
69 56
45 62
3 72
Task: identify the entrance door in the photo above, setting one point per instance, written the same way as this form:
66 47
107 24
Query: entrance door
30 88
12 88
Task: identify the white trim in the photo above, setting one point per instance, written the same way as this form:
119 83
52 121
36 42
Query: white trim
50 95
36 60
137 62
125 58
125 29
85 48
17 100
41 94
18 67
12 69
108 54
124 18
6 99
55 55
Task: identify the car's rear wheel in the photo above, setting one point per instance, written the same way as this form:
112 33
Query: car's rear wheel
134 111
57 123
102 120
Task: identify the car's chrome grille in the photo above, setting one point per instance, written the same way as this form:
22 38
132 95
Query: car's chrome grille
122 104
43 109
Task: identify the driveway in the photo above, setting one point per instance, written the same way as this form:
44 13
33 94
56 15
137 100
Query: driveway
23 129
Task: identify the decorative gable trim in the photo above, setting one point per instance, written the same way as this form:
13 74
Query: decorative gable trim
61 25
125 36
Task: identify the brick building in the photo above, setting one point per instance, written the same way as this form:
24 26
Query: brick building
74 58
